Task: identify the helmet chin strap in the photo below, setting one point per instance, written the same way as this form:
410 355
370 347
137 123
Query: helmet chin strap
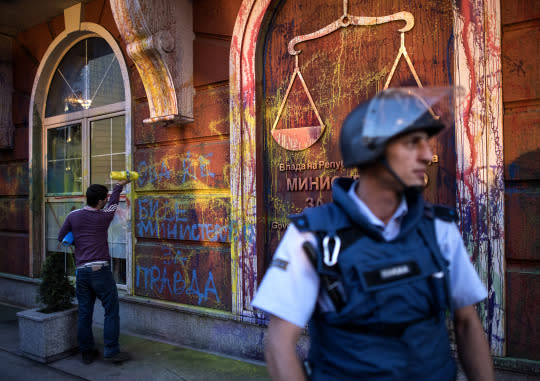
407 189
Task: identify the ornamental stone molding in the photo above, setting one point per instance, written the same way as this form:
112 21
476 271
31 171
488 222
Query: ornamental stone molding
159 39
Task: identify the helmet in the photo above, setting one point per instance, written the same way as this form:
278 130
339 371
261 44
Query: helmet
392 112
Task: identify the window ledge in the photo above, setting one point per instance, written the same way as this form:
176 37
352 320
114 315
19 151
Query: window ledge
518 365
194 310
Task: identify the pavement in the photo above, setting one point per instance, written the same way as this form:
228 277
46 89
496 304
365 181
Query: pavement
151 360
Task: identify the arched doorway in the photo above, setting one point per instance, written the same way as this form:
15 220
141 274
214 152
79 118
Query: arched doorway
478 130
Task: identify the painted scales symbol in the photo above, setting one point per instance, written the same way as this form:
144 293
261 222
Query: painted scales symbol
300 138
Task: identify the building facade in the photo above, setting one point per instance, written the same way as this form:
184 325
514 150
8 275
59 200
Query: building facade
230 112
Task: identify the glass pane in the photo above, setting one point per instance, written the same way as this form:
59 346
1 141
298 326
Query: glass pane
102 167
88 76
118 240
64 159
118 125
118 162
73 176
55 177
55 215
118 268
56 148
73 142
118 231
100 142
101 170
107 149
107 84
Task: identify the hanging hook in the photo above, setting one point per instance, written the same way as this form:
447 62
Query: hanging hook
345 19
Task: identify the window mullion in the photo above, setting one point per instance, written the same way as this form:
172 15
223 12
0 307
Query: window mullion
111 145
85 148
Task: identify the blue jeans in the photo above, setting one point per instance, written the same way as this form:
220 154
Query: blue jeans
100 284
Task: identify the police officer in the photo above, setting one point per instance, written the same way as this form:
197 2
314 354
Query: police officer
377 271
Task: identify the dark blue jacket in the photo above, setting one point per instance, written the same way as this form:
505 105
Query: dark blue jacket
393 323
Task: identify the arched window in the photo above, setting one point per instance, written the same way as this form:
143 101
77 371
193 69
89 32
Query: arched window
85 139
87 77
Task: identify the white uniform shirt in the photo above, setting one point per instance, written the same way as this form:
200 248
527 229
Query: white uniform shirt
290 291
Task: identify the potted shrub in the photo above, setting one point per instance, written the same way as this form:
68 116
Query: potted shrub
49 333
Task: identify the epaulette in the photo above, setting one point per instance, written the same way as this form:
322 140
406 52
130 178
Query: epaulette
445 213
300 221
441 212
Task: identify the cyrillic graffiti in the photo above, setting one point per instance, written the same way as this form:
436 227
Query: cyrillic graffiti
151 174
184 166
192 167
175 219
156 279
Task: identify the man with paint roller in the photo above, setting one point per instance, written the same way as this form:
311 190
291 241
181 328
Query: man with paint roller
88 227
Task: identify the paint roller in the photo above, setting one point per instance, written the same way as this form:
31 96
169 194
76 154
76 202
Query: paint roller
124 175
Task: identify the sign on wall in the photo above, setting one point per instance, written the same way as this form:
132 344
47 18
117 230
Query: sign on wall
321 59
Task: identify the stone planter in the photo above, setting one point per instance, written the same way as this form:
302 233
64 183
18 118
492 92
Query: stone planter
47 337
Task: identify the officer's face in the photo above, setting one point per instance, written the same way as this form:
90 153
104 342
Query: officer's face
409 156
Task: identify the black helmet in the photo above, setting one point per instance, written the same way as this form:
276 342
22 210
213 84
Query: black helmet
392 112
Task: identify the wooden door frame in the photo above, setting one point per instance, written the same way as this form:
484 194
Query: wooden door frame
479 172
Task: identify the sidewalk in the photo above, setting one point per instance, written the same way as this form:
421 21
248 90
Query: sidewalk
151 360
